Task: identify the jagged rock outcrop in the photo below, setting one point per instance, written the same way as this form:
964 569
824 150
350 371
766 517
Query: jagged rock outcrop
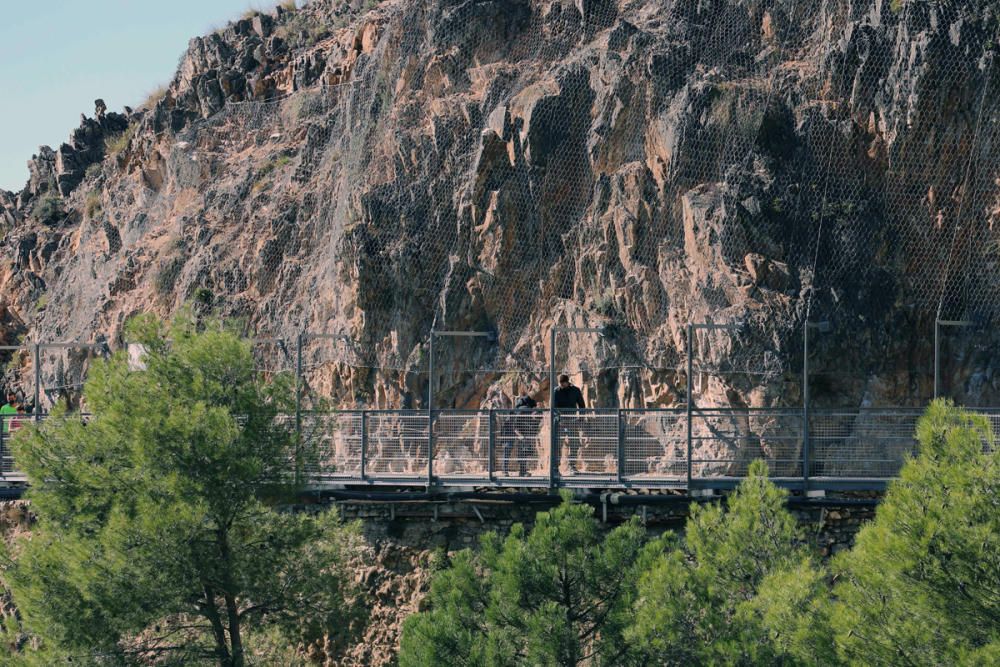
523 164
62 170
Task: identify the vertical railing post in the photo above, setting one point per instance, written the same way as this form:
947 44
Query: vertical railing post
38 382
805 407
364 443
298 408
430 414
690 399
937 352
621 447
491 450
553 424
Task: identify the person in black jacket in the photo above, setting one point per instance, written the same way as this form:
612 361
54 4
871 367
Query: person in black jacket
524 431
569 397
525 401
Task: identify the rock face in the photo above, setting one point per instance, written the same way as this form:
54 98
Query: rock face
517 165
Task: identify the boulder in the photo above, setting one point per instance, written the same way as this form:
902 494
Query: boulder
766 272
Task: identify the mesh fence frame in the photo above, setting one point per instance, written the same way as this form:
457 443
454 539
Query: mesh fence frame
462 445
587 444
333 444
846 446
397 445
10 425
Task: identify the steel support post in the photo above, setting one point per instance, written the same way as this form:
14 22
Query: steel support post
430 412
38 382
690 399
937 358
621 447
805 407
553 424
491 450
364 444
938 323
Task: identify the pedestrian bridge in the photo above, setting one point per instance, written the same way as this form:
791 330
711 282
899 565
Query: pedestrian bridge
706 448
604 448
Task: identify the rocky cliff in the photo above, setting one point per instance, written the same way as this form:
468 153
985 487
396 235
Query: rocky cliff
513 165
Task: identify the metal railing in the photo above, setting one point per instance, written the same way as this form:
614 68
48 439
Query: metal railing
857 448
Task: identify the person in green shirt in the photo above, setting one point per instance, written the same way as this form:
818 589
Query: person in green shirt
8 411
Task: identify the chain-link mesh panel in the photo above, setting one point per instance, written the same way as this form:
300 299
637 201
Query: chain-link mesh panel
631 166
655 445
623 167
330 367
63 372
396 445
273 357
860 444
725 442
331 444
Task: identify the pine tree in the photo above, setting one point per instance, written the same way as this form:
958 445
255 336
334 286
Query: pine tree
158 533
922 584
693 604
559 594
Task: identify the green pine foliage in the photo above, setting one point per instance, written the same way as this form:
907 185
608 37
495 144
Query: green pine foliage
792 610
559 594
159 534
691 604
922 584
49 209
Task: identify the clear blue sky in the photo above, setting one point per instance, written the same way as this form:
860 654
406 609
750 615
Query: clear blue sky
58 56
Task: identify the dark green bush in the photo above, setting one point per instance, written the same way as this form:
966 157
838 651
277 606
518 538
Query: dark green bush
49 209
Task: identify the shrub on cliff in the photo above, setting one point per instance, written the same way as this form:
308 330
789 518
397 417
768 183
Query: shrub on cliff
49 209
158 534
116 143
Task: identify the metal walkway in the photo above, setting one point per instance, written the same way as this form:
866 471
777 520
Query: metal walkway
858 449
841 449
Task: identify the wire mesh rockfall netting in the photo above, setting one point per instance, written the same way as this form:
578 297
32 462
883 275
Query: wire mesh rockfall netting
629 166
62 373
